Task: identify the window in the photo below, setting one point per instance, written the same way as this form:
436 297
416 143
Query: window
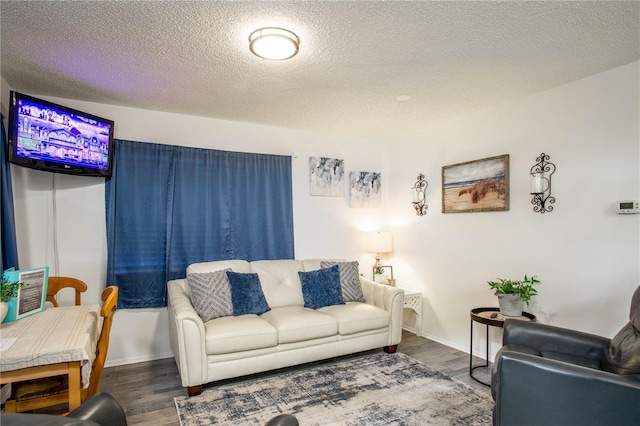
169 206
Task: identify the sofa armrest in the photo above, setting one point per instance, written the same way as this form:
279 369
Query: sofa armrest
534 391
547 338
186 335
391 299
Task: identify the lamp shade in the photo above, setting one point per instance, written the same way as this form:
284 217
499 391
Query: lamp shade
379 242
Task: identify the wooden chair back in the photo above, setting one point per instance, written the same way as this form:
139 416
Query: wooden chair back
55 284
109 306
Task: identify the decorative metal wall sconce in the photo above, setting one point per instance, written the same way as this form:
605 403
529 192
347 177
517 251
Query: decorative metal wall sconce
419 192
540 177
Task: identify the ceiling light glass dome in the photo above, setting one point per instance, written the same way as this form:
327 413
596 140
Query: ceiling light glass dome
274 43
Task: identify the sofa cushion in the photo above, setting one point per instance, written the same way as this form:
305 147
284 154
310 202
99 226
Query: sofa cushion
218 265
246 294
321 288
297 324
313 264
235 334
210 294
280 281
355 317
349 279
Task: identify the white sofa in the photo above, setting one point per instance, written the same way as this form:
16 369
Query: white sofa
288 334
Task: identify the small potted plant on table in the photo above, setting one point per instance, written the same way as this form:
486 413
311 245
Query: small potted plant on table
513 294
8 289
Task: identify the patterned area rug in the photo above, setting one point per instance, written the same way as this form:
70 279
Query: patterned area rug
376 389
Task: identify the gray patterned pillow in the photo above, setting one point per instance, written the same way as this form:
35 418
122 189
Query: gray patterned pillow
349 279
210 294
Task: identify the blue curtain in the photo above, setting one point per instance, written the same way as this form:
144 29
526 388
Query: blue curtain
9 256
170 206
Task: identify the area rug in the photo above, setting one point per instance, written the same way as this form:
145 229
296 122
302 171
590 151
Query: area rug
374 389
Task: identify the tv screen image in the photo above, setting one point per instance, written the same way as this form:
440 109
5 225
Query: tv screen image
51 137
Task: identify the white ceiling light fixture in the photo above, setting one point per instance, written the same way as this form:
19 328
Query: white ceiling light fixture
275 44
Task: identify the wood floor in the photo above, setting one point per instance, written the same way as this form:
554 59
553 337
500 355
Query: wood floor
146 390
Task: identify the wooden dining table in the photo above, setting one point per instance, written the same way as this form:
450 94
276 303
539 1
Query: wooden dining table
56 341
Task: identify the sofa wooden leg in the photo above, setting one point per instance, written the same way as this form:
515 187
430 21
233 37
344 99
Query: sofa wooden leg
390 349
194 390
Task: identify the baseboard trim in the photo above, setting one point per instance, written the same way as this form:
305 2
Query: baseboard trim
144 358
446 343
411 330
153 357
479 352
134 360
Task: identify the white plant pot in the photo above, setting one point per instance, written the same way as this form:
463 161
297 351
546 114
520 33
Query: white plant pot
4 309
510 305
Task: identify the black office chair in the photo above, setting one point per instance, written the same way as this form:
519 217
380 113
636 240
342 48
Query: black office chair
546 375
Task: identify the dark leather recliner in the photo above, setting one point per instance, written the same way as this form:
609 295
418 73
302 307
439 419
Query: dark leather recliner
546 375
102 409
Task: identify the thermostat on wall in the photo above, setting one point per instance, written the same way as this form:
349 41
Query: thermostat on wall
627 207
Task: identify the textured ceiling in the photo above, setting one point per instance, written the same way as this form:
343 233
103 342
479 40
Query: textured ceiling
451 58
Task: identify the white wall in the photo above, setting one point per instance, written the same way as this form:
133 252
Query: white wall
587 258
323 227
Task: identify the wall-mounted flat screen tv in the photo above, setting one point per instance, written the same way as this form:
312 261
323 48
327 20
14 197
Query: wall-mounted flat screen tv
51 137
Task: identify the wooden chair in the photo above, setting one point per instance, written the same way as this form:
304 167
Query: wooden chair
58 283
52 391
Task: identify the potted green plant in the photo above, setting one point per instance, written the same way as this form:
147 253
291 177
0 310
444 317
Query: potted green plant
378 270
513 294
8 289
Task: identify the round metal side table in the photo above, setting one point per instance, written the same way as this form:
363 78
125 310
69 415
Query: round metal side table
484 316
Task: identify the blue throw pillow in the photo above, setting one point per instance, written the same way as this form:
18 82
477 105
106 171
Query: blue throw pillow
321 288
246 294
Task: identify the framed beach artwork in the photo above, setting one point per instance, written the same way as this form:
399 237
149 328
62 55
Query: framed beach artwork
365 190
326 177
476 186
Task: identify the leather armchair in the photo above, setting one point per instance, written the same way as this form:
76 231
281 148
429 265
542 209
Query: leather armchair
102 409
546 375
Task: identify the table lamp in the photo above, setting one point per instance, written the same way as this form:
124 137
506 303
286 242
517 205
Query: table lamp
379 242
